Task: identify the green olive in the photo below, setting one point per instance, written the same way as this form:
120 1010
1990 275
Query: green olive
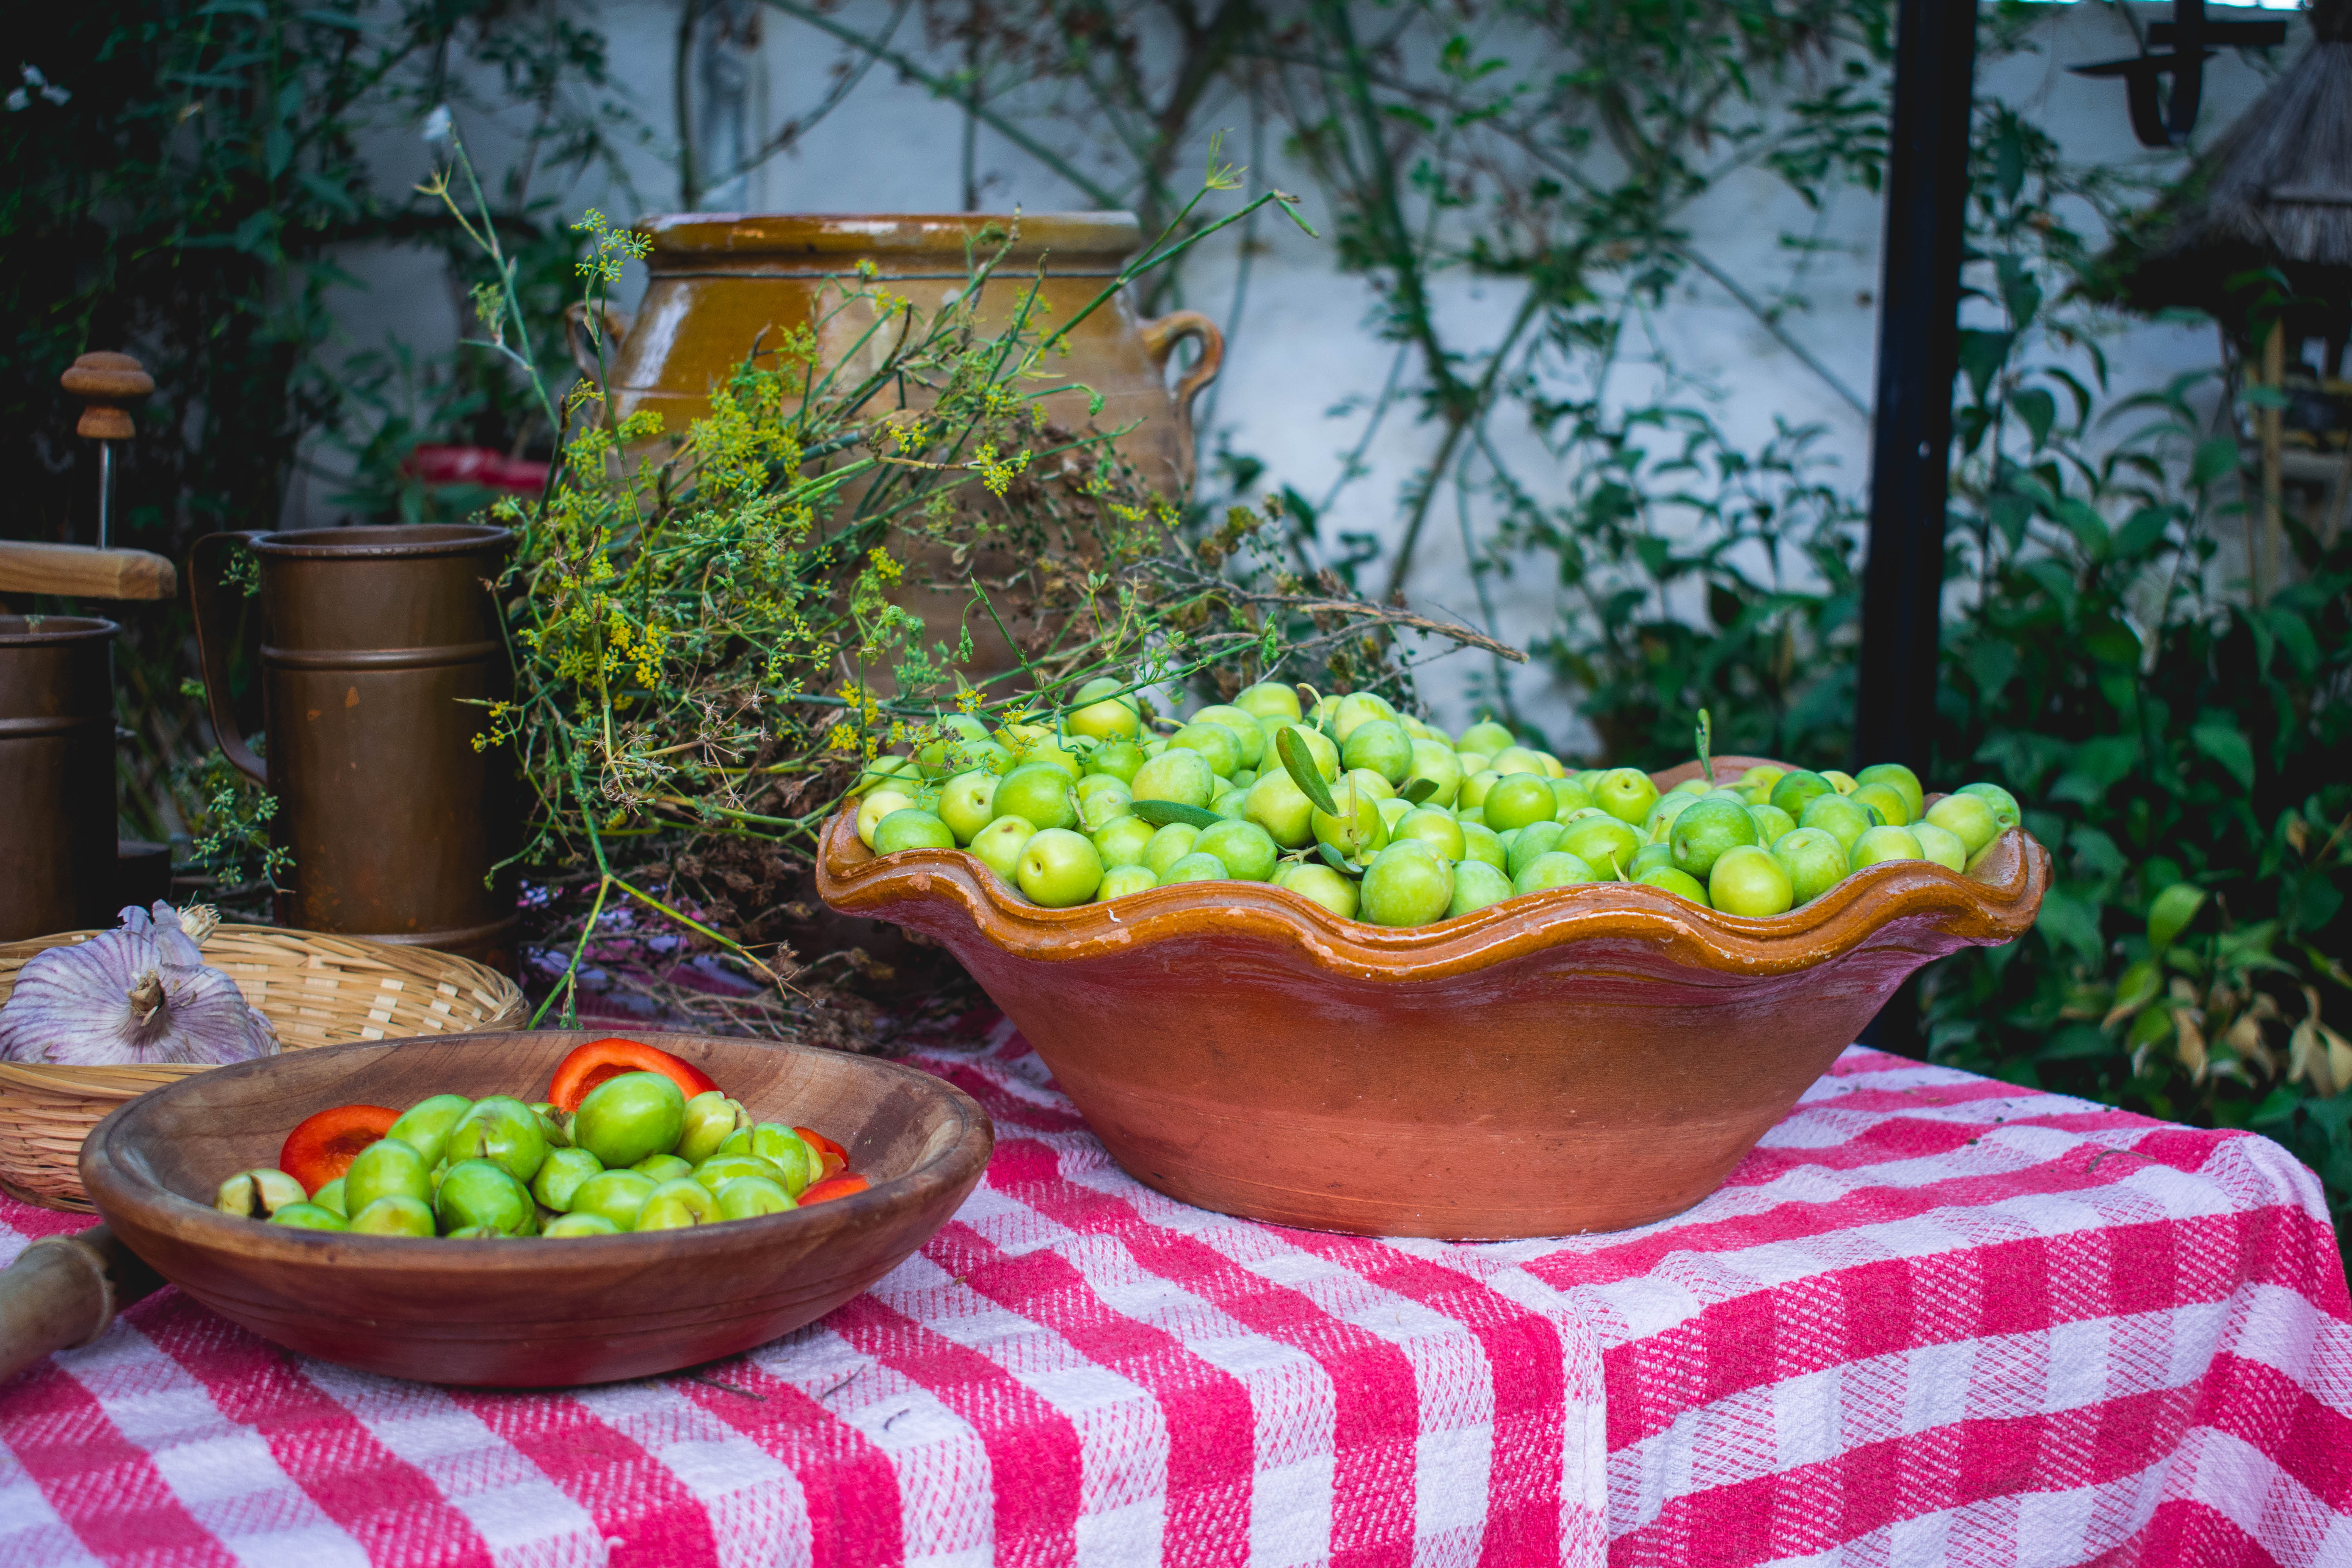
1771 821
427 1125
663 1167
1940 844
580 1225
562 1176
747 1197
1797 791
1476 885
2003 803
258 1193
1680 883
330 1197
394 1215
785 1149
1902 781
503 1131
1480 842
1839 816
1706 831
1604 843
1558 869
1971 819
1648 859
1889 801
720 1169
482 1193
1814 861
628 1117
615 1196
1747 880
678 1204
1886 843
1526 843
475 1233
309 1217
387 1168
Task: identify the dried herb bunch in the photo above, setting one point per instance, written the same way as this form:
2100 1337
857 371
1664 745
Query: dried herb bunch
712 631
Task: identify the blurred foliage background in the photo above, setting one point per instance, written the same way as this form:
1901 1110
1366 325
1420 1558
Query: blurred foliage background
2167 726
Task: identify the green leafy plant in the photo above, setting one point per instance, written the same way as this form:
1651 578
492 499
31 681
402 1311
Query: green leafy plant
2180 743
711 631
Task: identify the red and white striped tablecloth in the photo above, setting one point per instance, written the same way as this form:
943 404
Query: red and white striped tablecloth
1932 1319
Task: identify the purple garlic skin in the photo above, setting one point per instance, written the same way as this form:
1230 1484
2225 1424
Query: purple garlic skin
135 997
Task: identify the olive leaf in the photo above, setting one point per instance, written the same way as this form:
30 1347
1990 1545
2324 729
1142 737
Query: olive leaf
1161 813
1299 764
1340 863
1418 790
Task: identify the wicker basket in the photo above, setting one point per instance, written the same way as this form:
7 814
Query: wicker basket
315 989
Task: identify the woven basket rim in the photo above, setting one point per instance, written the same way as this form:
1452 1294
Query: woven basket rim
355 956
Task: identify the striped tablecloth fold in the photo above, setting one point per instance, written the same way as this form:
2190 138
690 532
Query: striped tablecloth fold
1931 1320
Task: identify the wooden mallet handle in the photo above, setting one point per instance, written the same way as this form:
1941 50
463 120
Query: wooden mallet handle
107 384
62 1292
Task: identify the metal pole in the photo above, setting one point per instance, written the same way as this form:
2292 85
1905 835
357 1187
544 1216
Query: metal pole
105 491
1919 354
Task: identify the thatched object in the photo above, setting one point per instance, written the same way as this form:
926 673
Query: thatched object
2275 191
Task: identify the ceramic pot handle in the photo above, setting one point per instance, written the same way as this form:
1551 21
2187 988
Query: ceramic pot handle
217 620
612 327
1160 336
63 1291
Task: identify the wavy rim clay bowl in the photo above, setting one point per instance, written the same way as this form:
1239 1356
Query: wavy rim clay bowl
1587 1058
534 1312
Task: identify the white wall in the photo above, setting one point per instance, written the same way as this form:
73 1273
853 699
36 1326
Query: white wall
1301 348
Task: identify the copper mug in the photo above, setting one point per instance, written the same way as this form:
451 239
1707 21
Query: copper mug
379 647
57 774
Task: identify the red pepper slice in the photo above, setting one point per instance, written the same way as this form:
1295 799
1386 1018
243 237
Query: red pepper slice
839 1187
593 1063
833 1157
323 1147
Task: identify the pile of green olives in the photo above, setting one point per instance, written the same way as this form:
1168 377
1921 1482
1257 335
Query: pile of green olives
639 1155
1379 816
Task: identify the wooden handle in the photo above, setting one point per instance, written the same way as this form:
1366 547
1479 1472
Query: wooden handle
63 1291
107 384
27 567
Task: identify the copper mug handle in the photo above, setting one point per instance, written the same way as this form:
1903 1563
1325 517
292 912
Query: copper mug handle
1160 336
613 326
216 621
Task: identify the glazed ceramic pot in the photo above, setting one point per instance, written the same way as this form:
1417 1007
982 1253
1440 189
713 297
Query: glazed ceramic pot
1583 1059
719 281
723 283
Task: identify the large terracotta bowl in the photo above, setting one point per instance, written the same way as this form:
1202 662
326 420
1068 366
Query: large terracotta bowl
538 1312
1585 1059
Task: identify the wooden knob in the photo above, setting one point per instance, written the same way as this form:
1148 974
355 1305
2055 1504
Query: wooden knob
107 384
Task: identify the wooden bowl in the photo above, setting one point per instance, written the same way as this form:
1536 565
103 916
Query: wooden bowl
1585 1059
538 1312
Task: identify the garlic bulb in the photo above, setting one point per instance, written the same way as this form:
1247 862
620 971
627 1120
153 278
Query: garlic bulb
134 996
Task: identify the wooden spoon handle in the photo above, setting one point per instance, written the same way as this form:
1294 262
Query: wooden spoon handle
63 1291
